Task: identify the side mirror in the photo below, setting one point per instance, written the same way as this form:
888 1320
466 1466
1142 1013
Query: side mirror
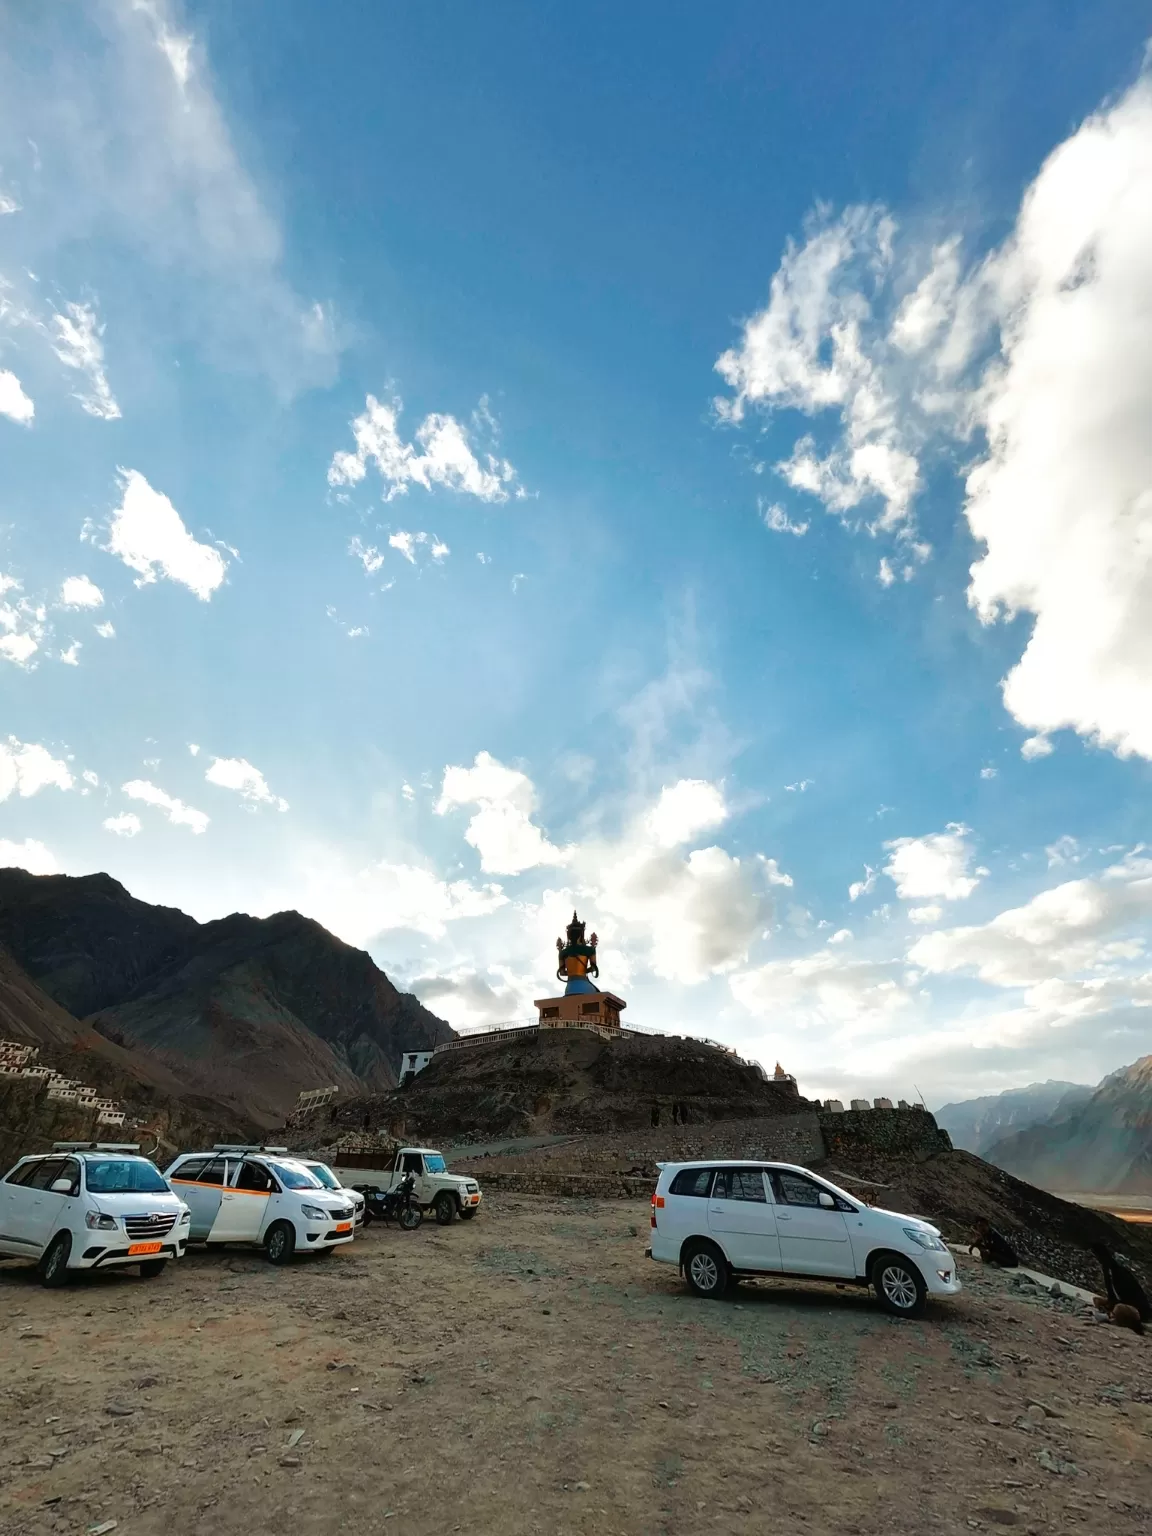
62 1187
826 1201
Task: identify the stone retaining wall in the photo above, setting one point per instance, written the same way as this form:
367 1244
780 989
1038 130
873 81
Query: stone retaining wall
885 1132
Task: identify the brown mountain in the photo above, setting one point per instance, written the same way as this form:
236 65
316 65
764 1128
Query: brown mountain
1103 1145
245 1011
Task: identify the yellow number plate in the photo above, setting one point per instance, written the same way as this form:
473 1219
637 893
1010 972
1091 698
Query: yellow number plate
343 1226
136 1248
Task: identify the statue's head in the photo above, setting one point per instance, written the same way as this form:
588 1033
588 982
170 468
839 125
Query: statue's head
575 930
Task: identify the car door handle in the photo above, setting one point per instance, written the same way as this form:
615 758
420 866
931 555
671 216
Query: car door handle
717 1210
779 1217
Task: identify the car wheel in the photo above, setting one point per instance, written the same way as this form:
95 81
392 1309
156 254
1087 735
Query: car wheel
899 1285
706 1269
445 1207
468 1214
410 1217
150 1268
53 1267
280 1242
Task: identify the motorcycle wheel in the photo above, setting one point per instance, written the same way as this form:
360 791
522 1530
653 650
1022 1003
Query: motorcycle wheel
411 1217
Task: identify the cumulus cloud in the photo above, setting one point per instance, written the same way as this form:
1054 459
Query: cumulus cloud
80 592
179 814
685 809
358 905
1034 747
1042 351
14 403
248 782
441 455
26 768
125 825
830 988
937 865
149 535
472 997
78 341
29 855
23 625
502 830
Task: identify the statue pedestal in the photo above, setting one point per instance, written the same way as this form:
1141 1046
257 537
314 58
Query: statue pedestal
603 1008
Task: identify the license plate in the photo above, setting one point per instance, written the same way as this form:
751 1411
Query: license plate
136 1248
343 1226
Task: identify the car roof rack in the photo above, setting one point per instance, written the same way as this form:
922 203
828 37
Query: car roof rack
232 1146
95 1146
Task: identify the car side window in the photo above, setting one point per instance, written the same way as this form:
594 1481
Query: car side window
71 1172
23 1175
740 1184
213 1172
47 1172
794 1189
254 1178
412 1163
191 1170
692 1181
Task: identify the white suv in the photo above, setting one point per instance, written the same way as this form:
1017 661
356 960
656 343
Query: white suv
90 1205
331 1182
716 1220
264 1197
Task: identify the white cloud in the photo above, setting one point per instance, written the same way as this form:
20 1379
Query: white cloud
1065 850
147 533
830 988
841 936
23 625
29 855
988 772
70 656
937 865
26 768
368 555
1036 746
80 592
106 631
14 403
357 905
685 809
406 544
863 887
179 814
238 774
127 824
502 830
78 341
444 457
776 520
194 749
800 786
439 550
926 915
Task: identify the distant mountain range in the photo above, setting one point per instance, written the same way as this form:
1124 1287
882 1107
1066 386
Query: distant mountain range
976 1124
240 1014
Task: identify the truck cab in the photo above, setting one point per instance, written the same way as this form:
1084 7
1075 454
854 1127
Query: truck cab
445 1194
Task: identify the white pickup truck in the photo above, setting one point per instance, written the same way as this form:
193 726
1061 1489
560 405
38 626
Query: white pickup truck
445 1194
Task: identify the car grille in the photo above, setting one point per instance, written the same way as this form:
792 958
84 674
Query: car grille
141 1228
341 1215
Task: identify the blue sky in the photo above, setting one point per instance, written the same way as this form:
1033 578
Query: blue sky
460 464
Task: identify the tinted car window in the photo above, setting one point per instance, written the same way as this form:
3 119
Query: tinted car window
692 1181
794 1189
213 1172
190 1170
22 1174
254 1178
46 1173
124 1176
740 1184
410 1163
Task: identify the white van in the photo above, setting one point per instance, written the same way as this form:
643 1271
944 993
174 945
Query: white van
264 1197
90 1205
720 1219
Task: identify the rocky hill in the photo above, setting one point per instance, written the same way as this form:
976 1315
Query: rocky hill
1101 1145
244 1011
974 1124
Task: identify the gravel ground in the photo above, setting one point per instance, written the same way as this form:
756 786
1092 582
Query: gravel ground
533 1372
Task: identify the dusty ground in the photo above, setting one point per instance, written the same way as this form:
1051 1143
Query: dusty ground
533 1372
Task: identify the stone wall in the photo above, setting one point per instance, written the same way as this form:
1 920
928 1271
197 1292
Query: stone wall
904 1133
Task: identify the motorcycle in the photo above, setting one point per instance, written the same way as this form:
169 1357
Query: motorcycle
389 1205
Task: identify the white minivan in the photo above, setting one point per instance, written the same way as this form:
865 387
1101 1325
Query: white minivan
263 1197
90 1205
721 1219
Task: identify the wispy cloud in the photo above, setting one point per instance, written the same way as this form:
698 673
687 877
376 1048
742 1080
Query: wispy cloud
441 456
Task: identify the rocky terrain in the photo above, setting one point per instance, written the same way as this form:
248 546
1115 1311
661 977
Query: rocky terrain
976 1124
1103 1144
244 1012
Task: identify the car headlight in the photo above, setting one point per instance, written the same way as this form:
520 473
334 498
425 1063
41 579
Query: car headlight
924 1239
315 1212
98 1220
185 1219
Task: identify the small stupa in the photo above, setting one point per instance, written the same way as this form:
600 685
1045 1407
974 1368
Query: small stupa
581 1003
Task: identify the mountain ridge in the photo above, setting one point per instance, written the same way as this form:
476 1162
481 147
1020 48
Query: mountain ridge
975 1124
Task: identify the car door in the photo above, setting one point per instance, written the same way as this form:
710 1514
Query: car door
200 1184
412 1162
16 1203
243 1205
743 1220
43 1206
813 1239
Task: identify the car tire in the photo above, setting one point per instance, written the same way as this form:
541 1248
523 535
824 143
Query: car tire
53 1266
444 1206
468 1214
280 1242
151 1269
410 1218
899 1285
705 1269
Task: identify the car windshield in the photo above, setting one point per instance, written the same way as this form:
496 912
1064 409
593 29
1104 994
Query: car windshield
434 1162
325 1175
295 1178
125 1176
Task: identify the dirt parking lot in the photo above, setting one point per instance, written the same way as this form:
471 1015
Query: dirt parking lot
533 1372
